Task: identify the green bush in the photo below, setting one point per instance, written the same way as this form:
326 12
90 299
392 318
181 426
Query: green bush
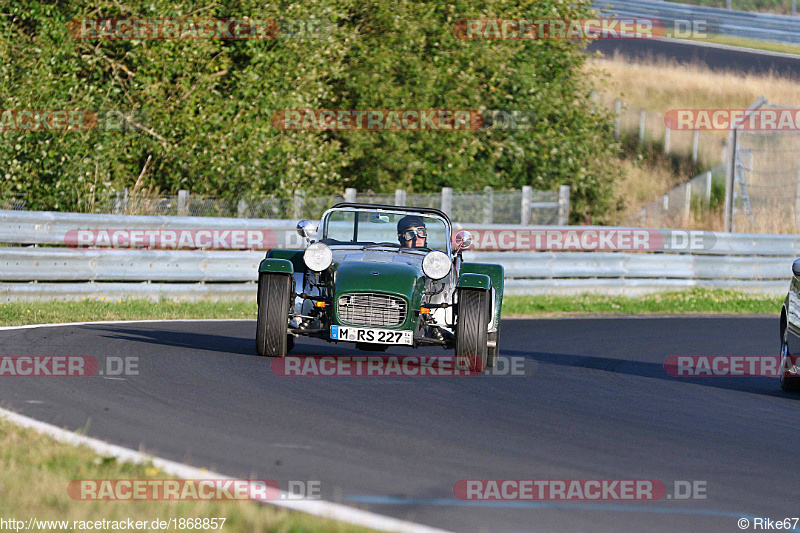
206 104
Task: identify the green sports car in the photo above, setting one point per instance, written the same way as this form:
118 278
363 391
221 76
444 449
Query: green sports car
377 276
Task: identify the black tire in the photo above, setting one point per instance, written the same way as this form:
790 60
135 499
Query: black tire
471 329
274 291
788 383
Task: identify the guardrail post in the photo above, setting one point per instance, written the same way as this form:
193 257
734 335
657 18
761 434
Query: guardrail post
350 195
563 205
794 8
667 132
525 211
183 203
241 209
708 188
665 202
299 204
488 205
618 120
447 200
642 118
695 143
399 197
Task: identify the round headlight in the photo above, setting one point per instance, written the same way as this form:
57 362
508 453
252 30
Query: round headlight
436 265
318 257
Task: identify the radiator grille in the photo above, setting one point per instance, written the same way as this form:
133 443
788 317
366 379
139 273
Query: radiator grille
372 309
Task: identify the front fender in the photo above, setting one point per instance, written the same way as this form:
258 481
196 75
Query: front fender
275 266
475 281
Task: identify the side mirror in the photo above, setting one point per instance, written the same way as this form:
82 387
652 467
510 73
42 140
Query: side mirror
463 240
307 230
796 268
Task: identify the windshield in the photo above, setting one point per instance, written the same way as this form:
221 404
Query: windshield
370 227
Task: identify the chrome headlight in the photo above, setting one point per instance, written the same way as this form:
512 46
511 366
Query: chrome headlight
318 257
436 265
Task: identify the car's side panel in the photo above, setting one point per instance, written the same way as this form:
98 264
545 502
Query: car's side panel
793 315
496 274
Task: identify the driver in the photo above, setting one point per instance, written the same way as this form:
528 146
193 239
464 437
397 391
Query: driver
411 232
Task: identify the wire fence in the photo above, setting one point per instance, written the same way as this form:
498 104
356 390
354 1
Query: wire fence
766 178
486 206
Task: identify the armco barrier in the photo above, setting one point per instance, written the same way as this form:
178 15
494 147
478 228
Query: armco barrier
714 20
759 263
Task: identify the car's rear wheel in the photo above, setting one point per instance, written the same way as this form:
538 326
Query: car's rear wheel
471 329
788 383
274 291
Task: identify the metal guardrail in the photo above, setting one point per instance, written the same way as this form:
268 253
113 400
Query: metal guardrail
758 26
745 262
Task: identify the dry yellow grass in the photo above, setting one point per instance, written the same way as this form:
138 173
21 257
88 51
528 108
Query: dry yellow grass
660 86
663 85
35 472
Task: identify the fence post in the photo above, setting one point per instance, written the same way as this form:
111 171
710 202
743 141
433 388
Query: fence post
695 143
525 208
299 203
708 188
399 197
797 202
687 204
488 206
618 120
350 195
667 132
563 205
665 202
183 203
447 200
241 209
643 217
125 206
641 125
730 163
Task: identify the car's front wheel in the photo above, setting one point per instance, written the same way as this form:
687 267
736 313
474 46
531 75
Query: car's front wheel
274 291
788 383
471 329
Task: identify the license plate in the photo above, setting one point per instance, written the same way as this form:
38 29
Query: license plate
373 335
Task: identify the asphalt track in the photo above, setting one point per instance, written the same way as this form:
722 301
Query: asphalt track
597 404
715 57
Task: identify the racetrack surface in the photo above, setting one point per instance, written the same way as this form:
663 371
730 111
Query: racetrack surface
718 58
598 406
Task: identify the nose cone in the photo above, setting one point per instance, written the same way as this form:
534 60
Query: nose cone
392 278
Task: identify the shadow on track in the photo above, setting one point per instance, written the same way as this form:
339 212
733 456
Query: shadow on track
766 386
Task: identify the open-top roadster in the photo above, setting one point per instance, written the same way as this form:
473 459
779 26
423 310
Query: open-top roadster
381 275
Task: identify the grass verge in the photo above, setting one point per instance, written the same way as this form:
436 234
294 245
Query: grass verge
688 301
694 301
36 470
